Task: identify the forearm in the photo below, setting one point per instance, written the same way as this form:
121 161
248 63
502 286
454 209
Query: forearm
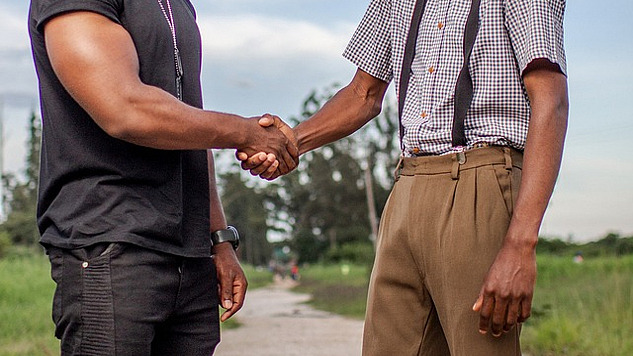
151 117
542 157
350 109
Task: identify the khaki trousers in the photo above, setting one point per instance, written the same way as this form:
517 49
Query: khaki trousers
440 231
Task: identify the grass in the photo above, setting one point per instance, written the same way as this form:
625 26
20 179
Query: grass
26 294
582 309
579 310
341 289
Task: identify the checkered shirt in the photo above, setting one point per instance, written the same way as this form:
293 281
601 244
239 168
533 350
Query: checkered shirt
512 33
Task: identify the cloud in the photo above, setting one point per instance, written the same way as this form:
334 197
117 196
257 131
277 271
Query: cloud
13 26
17 75
255 64
253 37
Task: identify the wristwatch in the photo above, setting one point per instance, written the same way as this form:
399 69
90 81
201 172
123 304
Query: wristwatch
229 234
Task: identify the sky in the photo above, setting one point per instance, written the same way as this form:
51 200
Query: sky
266 56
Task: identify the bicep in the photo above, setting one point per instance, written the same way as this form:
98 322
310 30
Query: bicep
95 60
546 86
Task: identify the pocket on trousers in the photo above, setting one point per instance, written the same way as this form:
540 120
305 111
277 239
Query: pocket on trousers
97 307
500 182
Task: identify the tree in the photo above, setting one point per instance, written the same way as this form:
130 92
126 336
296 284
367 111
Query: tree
338 191
244 208
21 195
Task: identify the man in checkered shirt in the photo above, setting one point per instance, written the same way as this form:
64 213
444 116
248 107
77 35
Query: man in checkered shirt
461 225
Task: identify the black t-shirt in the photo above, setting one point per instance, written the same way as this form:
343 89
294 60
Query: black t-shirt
95 188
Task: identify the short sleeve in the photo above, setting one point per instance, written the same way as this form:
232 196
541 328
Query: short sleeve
370 46
536 31
48 9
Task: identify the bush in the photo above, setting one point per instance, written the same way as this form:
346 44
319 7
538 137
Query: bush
354 252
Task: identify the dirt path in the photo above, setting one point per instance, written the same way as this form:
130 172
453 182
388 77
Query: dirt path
276 323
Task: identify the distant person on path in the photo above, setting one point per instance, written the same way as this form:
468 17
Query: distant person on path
128 208
578 258
483 108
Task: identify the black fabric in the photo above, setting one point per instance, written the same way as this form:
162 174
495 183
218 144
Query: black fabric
94 188
130 301
464 86
409 55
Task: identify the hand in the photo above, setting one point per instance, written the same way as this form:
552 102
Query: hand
506 296
233 284
265 165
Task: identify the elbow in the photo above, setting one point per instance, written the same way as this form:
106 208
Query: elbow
129 116
122 121
118 124
369 92
121 131
375 108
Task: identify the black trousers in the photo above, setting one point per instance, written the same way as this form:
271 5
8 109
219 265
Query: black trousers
120 299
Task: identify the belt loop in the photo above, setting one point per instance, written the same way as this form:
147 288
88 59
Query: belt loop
507 154
398 170
455 168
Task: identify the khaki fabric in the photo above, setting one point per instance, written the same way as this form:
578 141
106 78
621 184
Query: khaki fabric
441 229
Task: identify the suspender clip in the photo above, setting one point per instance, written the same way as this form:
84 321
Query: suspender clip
461 154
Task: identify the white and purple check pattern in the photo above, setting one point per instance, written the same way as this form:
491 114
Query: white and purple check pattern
512 33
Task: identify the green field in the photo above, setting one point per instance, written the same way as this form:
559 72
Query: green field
579 310
26 294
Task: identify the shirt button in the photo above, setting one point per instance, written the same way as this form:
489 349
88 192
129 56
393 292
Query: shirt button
424 114
415 150
431 70
440 25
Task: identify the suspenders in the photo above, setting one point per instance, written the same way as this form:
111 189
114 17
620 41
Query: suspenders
464 86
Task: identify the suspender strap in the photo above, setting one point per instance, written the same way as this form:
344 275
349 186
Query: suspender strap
464 86
409 54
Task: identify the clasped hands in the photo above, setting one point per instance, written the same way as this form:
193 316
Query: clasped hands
274 150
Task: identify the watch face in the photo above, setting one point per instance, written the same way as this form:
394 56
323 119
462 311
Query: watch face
229 234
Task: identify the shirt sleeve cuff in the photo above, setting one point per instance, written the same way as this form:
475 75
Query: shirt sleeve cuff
60 7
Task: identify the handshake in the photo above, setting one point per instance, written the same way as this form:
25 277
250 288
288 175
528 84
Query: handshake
272 148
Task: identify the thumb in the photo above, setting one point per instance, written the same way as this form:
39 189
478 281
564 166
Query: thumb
241 156
226 292
266 120
478 303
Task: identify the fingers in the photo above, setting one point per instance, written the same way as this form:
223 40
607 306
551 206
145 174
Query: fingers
278 140
261 167
254 160
270 172
292 146
526 309
499 315
485 313
513 315
238 293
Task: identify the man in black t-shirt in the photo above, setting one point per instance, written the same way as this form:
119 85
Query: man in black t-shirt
128 208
